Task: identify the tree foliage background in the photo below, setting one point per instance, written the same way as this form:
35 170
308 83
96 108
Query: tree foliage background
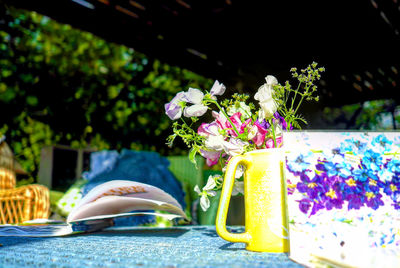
60 85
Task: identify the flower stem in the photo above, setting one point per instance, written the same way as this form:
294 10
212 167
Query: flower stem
273 133
302 98
295 96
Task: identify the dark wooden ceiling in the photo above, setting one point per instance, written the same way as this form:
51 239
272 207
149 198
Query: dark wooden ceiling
239 42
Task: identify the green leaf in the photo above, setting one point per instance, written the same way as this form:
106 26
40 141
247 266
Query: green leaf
192 155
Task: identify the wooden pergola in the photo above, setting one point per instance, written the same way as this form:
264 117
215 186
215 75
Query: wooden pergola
239 42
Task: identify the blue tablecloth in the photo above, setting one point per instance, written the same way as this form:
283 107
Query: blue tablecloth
184 246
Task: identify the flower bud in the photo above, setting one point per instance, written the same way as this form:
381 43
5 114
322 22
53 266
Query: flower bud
217 89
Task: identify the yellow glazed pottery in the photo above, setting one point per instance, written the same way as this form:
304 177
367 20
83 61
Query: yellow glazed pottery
266 220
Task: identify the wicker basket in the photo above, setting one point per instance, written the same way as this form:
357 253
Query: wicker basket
7 179
23 203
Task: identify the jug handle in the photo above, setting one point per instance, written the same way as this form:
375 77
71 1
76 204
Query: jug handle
226 193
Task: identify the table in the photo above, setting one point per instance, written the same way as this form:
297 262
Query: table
181 246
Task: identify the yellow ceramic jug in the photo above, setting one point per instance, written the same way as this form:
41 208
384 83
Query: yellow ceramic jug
266 216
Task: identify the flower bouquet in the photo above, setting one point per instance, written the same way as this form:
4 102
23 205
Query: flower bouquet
238 125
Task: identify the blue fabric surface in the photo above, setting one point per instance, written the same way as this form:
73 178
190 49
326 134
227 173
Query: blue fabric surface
186 246
141 166
100 162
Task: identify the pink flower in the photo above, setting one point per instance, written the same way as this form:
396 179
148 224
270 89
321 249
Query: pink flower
258 134
214 139
219 119
206 129
270 142
244 125
235 118
212 157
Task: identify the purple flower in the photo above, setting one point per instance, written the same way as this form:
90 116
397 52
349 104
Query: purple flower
281 121
333 199
174 108
304 205
350 187
316 206
312 188
354 201
263 123
373 200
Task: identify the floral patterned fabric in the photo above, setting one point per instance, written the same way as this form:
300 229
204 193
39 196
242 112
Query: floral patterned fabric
344 189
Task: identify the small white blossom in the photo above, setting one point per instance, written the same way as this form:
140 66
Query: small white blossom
243 108
207 191
210 183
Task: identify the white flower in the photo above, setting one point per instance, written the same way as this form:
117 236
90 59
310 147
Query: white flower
194 95
207 191
243 108
278 130
195 110
252 132
264 96
211 183
217 89
215 142
234 146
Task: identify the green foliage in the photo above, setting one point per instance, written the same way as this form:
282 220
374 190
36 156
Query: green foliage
61 85
306 90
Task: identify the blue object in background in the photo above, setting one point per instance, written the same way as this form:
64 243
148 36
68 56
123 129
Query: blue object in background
100 162
141 166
